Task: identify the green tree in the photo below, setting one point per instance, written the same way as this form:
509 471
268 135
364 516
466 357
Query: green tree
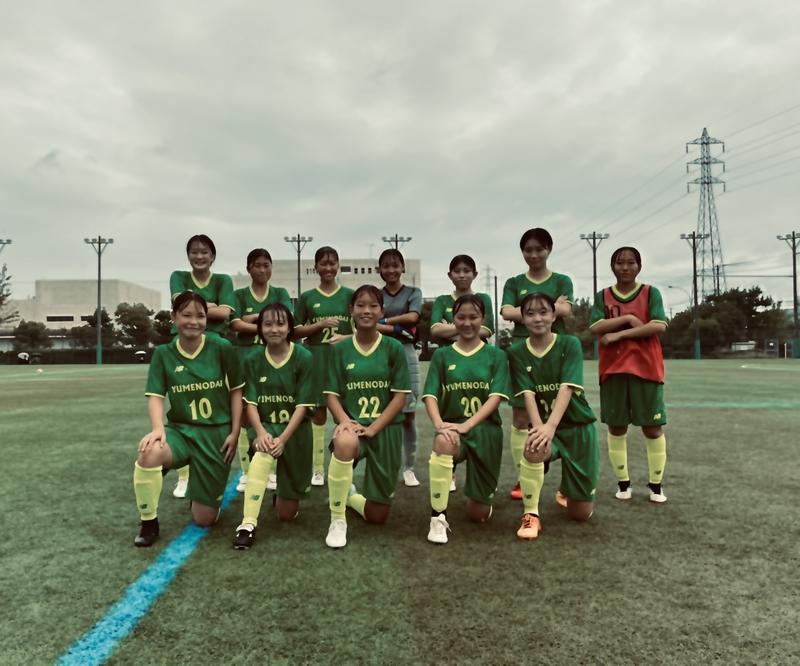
7 316
85 337
578 323
31 335
134 323
161 333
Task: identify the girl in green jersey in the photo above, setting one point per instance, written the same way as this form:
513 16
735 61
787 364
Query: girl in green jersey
462 273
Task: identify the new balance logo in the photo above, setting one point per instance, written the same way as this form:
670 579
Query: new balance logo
350 366
449 310
451 367
255 498
249 309
337 503
657 416
316 305
179 368
529 368
523 292
437 495
143 506
262 379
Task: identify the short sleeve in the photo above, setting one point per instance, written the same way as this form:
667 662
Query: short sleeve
572 364
437 311
521 379
226 296
510 293
333 379
304 379
233 367
283 298
598 309
567 289
488 320
399 379
239 305
656 305
500 381
156 375
251 382
175 284
415 300
433 382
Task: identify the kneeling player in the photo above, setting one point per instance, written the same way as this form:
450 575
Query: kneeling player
366 389
465 384
203 378
547 370
279 396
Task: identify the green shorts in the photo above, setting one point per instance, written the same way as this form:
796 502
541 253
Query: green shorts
384 458
482 448
320 354
579 452
294 465
199 447
628 399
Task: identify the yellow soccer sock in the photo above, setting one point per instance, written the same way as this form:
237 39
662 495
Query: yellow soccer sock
440 471
183 473
260 468
318 439
357 502
531 480
656 458
618 453
340 478
518 438
147 482
243 448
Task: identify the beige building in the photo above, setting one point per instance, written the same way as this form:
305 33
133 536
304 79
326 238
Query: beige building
68 303
352 273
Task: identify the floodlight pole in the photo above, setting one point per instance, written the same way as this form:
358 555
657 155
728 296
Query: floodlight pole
396 241
298 242
99 245
594 239
3 243
793 241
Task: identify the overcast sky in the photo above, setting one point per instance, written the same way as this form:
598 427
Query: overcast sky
459 124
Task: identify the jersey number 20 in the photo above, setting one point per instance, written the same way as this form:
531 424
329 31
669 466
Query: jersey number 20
471 406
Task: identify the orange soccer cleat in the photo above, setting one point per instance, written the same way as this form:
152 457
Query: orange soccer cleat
561 499
516 492
530 527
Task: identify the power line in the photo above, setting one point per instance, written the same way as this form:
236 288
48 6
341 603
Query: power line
766 168
763 120
765 180
739 153
766 157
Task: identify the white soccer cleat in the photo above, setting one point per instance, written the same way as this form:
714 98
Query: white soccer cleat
624 494
318 479
658 498
438 531
272 482
242 483
180 488
337 534
453 484
410 479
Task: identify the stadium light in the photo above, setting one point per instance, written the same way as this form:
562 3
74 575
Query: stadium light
396 241
3 243
99 245
298 242
695 322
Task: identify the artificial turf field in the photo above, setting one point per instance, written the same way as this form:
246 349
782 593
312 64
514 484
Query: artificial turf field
711 576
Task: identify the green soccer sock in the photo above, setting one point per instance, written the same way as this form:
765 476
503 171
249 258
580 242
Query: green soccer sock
340 478
318 439
147 482
260 468
358 503
618 453
518 438
656 458
183 473
440 470
531 480
243 448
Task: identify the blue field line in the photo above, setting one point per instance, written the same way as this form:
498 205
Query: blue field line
97 644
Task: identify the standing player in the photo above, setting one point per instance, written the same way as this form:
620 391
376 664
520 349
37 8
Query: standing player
216 289
366 389
465 384
278 392
628 317
322 317
402 306
547 372
536 245
202 376
249 301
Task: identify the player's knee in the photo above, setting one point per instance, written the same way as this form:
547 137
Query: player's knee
519 418
345 446
320 416
444 447
540 456
652 432
617 431
152 457
579 511
477 512
376 513
204 516
287 509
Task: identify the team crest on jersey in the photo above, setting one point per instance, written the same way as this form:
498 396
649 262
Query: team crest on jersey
529 368
350 366
451 367
262 379
179 368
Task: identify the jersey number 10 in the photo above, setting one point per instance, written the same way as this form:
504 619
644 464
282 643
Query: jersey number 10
203 406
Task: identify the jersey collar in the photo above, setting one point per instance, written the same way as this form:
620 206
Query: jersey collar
334 292
197 351
256 298
201 285
530 279
630 294
545 352
367 352
468 353
277 366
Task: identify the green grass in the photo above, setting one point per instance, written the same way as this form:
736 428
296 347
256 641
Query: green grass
710 576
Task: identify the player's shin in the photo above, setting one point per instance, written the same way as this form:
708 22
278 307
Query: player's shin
440 469
340 477
147 482
260 468
618 454
656 458
531 479
518 438
243 450
318 439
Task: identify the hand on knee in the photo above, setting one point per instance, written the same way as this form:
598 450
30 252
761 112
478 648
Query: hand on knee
345 446
446 445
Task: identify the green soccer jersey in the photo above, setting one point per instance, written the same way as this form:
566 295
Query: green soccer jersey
443 312
217 289
544 374
315 305
461 382
278 388
247 303
518 287
365 380
198 385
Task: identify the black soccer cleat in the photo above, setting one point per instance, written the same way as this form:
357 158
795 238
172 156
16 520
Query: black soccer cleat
245 537
148 533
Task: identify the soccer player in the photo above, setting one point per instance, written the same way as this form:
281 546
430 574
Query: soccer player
216 289
547 373
536 245
322 317
465 384
279 396
366 389
628 317
249 301
202 376
402 306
